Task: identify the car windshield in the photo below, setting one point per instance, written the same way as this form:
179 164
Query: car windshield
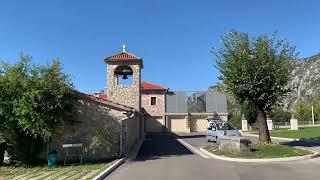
222 126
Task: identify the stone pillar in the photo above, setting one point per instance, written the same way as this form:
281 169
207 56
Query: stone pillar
293 124
188 124
270 124
244 124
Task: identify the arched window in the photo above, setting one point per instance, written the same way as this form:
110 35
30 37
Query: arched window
123 75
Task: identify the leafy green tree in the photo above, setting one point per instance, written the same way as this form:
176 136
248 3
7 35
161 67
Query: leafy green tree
316 107
278 114
256 70
249 111
33 100
235 119
302 111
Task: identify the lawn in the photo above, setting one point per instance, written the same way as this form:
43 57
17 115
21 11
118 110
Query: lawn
85 171
302 133
259 151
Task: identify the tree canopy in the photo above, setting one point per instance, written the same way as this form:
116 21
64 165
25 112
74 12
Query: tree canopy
302 111
33 98
255 70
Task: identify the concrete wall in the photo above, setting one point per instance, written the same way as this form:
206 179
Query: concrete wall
133 132
153 110
155 124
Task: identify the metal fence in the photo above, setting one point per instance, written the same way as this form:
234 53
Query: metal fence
196 102
278 125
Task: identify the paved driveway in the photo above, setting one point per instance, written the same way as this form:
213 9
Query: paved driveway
163 157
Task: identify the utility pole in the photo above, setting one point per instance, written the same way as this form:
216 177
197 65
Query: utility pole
312 115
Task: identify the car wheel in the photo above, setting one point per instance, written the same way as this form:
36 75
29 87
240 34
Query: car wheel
208 140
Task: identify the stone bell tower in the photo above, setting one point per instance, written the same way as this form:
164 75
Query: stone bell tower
124 79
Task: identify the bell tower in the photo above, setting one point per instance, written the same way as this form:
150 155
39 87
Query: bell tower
124 79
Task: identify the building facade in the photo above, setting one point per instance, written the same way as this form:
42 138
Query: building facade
165 111
124 79
153 99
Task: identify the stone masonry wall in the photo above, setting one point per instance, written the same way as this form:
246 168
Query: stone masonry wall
153 110
128 95
95 126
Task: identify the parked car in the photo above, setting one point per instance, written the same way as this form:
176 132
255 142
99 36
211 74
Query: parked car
219 128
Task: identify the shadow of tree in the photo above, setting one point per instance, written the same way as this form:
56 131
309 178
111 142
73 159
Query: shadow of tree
308 142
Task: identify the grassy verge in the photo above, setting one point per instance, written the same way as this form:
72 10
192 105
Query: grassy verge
260 151
302 133
84 171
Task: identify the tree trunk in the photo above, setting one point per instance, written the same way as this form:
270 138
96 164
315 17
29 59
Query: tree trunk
2 150
264 135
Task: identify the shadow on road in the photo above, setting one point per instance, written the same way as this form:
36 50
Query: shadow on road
158 146
303 143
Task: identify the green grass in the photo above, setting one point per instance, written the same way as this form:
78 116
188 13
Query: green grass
302 133
260 151
9 172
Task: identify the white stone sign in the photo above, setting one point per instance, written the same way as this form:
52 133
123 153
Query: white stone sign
244 125
270 124
294 124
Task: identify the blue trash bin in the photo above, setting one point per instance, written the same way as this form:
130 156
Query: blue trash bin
52 158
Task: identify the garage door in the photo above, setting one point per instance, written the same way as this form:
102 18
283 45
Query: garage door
202 125
155 124
178 124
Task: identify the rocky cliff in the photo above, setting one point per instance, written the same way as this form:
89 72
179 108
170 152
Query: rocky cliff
305 81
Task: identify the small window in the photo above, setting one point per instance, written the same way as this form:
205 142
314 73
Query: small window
153 101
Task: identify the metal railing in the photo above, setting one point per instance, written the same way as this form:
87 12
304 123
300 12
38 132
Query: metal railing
278 125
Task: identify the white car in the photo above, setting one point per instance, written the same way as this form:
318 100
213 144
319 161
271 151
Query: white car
218 128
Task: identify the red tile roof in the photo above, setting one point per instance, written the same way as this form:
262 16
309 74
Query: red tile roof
147 86
99 95
122 56
103 96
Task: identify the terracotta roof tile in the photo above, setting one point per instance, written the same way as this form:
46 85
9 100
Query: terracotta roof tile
122 56
150 86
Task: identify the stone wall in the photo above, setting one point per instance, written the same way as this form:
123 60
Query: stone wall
153 110
97 126
128 95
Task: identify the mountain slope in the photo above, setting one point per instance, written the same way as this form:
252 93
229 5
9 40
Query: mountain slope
305 81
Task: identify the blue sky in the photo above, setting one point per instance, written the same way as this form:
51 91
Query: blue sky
173 37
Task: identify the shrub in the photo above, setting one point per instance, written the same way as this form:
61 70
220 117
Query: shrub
280 115
33 101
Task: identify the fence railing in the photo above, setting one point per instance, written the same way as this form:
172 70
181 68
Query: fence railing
278 125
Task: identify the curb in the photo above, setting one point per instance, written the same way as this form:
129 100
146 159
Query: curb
132 155
193 149
110 169
278 138
284 159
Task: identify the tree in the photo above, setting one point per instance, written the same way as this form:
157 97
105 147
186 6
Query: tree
235 119
302 111
255 70
33 100
249 111
316 107
278 114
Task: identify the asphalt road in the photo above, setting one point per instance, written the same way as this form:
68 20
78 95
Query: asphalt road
163 157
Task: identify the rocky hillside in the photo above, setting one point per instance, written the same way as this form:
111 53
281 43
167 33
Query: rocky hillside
305 81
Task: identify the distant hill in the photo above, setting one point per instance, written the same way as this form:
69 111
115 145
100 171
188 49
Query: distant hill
305 81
